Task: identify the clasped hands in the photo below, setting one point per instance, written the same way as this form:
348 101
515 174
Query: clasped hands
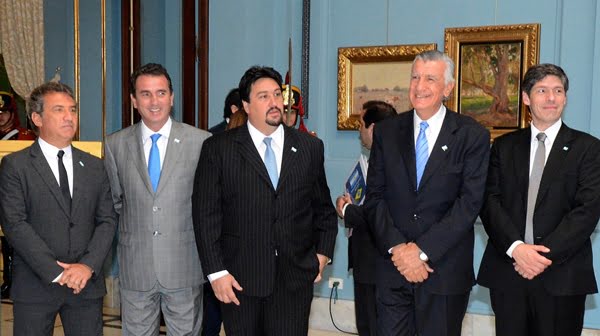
529 263
74 276
406 259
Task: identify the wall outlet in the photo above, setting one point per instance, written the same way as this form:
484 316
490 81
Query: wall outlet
332 280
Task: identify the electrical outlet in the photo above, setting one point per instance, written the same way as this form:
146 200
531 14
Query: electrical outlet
338 280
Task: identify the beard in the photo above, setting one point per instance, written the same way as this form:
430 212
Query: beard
274 120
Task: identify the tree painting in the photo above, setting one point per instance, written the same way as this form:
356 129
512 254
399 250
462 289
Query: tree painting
489 83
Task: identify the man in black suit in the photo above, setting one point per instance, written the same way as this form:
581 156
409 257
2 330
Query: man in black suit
265 225
362 252
233 103
542 203
56 211
424 190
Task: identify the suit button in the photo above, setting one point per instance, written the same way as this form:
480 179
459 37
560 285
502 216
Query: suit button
155 233
415 216
71 225
154 208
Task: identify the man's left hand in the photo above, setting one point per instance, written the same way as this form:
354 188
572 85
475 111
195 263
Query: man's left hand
323 260
75 276
406 259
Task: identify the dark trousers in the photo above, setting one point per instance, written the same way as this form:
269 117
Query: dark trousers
365 309
78 316
211 322
535 312
7 255
282 313
411 310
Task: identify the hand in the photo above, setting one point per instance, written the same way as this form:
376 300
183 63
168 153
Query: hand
323 260
75 276
223 288
340 202
529 263
406 259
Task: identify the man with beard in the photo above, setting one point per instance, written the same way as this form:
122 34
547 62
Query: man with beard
261 254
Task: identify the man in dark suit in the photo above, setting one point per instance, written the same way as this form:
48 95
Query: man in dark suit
56 211
424 190
362 252
233 103
542 203
265 225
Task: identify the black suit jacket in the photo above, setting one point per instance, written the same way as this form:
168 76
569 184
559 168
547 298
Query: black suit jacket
35 221
362 252
566 211
439 216
218 128
259 234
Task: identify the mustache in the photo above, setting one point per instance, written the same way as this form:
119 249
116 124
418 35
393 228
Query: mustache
274 109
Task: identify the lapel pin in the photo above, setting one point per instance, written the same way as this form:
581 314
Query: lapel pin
565 148
294 149
444 148
81 164
177 140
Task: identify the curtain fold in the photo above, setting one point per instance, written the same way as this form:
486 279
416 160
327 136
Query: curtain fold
22 43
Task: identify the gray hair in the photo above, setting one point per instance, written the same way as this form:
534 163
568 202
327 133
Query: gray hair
435 55
35 102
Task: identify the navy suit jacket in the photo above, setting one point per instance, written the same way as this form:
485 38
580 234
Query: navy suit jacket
565 216
439 216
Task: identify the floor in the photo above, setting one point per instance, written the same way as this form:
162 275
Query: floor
112 323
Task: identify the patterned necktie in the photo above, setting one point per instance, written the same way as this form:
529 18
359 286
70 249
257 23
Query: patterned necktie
63 179
534 185
421 151
154 162
271 162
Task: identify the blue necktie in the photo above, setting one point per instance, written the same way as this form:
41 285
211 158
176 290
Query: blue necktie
270 162
421 151
154 162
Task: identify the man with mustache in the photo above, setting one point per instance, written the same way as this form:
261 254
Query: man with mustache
264 221
56 211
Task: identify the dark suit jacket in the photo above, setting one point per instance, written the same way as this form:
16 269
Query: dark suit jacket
566 211
259 234
362 252
439 216
218 128
35 221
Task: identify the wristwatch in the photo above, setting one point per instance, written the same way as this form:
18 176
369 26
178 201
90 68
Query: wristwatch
423 256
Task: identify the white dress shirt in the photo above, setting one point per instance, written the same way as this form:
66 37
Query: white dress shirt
161 143
551 134
277 145
435 126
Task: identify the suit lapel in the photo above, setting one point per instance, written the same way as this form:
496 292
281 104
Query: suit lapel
79 178
522 148
406 139
40 164
250 154
134 142
442 146
174 151
290 155
557 157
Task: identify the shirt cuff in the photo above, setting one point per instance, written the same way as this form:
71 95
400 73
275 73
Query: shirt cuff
512 247
214 276
344 209
58 277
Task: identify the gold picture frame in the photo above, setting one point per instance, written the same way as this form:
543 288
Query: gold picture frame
490 62
377 72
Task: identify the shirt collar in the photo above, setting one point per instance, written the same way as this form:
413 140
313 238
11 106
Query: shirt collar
551 132
258 137
164 131
434 122
51 151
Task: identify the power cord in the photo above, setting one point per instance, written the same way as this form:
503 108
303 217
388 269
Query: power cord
335 287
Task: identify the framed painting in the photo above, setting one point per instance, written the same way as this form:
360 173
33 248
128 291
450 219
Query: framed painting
374 73
490 64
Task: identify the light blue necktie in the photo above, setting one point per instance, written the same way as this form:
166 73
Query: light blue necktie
270 162
154 162
421 151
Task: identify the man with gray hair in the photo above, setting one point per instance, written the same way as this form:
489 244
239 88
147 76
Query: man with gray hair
425 187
